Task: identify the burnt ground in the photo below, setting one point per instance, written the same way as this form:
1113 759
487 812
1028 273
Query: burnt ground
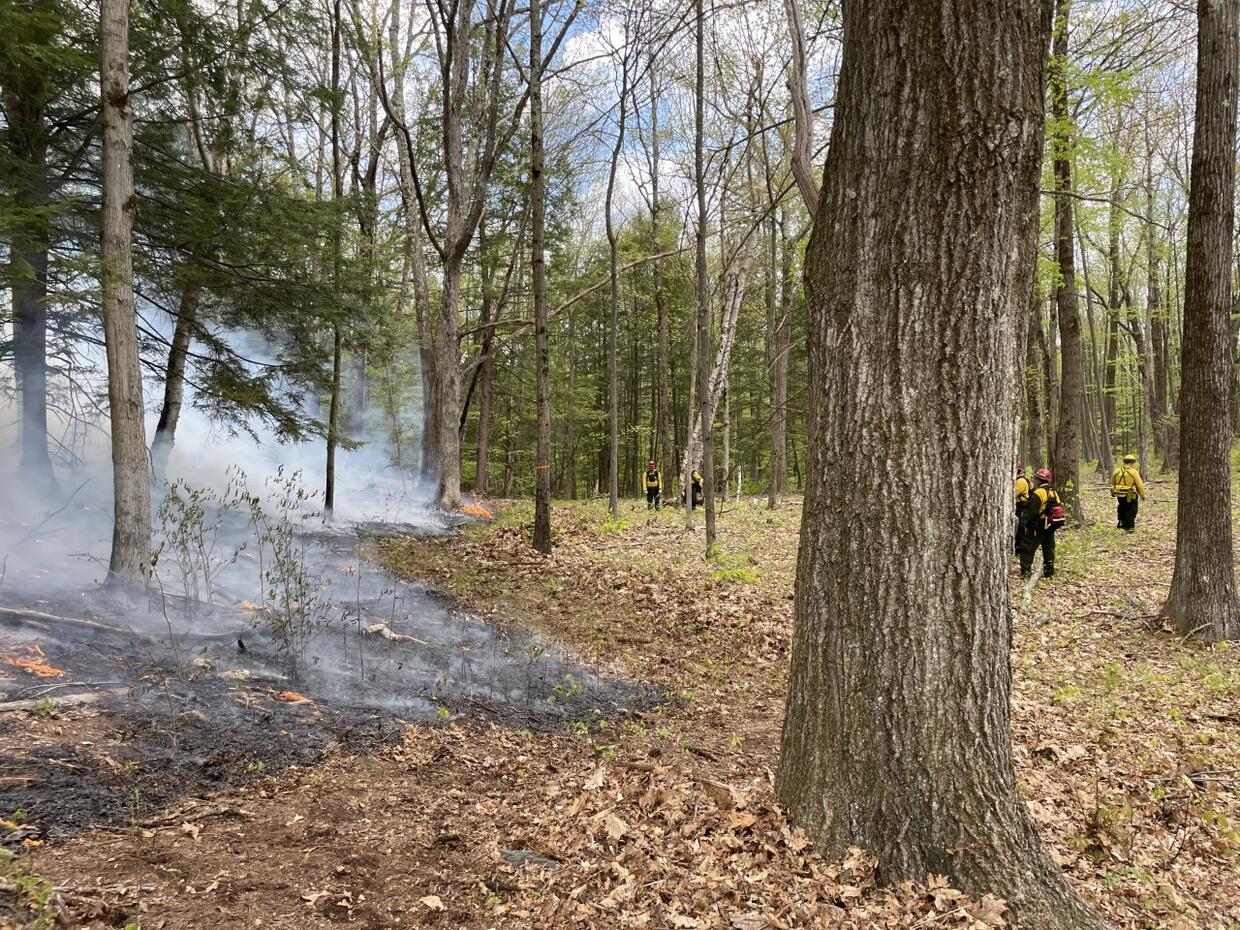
141 717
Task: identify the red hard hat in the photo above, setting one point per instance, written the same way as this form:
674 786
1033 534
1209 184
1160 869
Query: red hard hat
1043 474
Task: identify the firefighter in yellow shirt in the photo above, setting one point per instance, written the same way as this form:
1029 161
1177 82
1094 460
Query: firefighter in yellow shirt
652 479
1042 515
1128 490
1021 488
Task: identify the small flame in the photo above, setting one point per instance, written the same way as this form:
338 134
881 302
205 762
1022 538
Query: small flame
291 697
477 510
29 658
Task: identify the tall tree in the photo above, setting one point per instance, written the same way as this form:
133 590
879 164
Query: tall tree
706 406
1202 601
26 94
613 325
337 341
1067 452
897 736
1035 348
663 359
471 53
538 280
131 531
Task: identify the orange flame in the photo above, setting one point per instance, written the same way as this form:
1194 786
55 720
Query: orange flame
291 697
477 510
29 658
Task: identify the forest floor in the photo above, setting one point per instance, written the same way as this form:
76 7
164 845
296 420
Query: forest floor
1127 742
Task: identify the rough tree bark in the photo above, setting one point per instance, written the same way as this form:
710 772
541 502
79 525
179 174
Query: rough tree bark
1202 601
897 736
538 183
1067 456
130 561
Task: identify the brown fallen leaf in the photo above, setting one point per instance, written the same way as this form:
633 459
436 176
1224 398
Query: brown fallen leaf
616 828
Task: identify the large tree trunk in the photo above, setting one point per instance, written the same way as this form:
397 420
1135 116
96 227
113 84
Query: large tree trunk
1072 383
538 185
174 382
130 561
897 736
1202 601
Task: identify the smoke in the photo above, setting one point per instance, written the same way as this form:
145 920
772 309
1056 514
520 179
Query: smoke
250 580
62 537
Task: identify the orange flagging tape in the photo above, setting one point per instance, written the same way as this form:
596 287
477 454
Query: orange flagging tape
29 658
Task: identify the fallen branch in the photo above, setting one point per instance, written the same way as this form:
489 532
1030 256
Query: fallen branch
72 700
21 616
39 691
24 617
168 820
383 630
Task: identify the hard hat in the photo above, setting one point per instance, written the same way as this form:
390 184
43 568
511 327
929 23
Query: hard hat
1043 474
1130 458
